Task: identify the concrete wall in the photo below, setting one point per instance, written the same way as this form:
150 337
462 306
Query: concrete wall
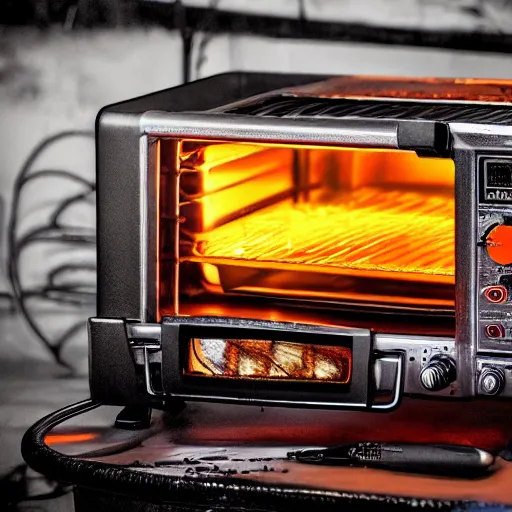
459 15
58 81
263 54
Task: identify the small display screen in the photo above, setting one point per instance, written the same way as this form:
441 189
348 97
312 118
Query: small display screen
498 182
499 174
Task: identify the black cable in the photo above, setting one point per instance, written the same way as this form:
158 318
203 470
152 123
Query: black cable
10 300
56 234
147 486
83 196
302 10
207 23
69 333
58 174
14 489
52 233
187 38
63 296
68 267
4 294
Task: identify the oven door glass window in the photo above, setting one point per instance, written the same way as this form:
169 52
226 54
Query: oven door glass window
344 227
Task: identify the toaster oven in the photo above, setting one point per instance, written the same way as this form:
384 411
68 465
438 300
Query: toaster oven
309 241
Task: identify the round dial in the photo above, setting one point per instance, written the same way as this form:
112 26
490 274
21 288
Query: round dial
492 381
439 373
499 244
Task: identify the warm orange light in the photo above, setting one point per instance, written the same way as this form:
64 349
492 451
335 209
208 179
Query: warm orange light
70 438
444 89
222 166
341 225
269 360
230 179
200 155
375 231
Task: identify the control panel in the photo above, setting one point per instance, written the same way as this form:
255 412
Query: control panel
494 263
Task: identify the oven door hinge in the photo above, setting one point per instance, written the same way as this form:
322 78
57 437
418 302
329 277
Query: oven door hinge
146 345
426 138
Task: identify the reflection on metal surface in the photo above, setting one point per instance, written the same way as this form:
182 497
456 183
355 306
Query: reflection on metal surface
264 359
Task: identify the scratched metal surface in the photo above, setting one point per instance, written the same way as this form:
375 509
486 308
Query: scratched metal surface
220 444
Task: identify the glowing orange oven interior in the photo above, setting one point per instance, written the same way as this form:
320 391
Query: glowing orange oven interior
244 222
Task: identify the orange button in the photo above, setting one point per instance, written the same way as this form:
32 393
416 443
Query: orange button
499 244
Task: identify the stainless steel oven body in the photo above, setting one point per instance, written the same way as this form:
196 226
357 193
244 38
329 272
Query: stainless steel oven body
138 354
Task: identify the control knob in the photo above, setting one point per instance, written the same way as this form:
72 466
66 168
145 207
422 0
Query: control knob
491 381
438 373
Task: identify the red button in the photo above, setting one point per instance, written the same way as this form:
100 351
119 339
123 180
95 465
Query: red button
495 331
495 294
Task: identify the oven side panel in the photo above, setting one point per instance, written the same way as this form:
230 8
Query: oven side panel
465 263
118 215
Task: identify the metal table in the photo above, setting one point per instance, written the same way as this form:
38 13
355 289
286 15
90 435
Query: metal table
213 457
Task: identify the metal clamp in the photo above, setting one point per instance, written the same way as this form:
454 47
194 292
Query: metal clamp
143 355
145 341
397 389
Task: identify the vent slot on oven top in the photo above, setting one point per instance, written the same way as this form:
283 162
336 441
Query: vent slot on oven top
247 223
297 107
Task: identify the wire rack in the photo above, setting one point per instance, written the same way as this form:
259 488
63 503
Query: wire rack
372 230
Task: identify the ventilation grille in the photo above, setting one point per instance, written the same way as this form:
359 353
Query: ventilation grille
296 107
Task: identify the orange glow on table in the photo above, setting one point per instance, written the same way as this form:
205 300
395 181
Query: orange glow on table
70 438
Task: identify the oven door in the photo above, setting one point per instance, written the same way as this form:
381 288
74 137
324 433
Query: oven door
211 290
256 212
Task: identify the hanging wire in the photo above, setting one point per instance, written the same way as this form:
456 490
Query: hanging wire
77 292
206 36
